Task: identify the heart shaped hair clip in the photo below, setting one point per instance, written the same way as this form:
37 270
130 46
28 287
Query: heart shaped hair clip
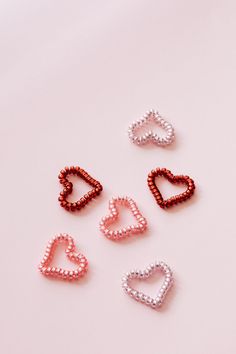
68 188
153 302
150 136
114 215
163 172
72 255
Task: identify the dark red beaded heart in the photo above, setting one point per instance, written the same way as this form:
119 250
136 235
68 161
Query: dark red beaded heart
163 172
68 188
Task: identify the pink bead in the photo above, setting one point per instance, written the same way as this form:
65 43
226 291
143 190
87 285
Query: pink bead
79 259
106 221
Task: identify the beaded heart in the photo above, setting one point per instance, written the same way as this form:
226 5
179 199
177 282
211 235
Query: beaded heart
142 275
68 188
77 258
163 172
106 221
150 136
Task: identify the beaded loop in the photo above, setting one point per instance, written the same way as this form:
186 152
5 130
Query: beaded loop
68 188
163 172
60 273
150 136
156 302
113 216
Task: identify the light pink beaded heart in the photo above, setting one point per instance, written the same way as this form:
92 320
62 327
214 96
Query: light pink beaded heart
149 271
106 221
77 258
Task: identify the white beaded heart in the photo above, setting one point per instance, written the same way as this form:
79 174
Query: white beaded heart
150 270
150 136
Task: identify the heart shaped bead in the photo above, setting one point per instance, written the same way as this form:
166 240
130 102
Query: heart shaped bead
150 136
72 255
113 216
163 172
142 275
68 188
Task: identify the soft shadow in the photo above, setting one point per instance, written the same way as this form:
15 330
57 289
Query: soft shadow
78 282
173 146
91 204
150 146
130 239
178 207
167 303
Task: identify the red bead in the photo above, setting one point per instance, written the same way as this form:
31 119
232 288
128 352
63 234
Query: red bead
68 188
163 172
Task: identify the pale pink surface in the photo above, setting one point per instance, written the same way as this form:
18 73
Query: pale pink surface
73 76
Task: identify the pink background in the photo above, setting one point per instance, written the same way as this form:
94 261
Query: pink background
74 74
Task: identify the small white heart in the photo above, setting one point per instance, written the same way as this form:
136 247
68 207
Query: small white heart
150 136
146 273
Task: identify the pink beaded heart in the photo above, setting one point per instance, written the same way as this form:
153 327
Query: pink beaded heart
77 258
106 221
149 271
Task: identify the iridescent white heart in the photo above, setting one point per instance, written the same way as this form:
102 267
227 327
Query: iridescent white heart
149 271
150 136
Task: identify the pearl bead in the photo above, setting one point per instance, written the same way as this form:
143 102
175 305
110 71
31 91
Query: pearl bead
124 232
163 172
80 259
68 188
150 136
138 295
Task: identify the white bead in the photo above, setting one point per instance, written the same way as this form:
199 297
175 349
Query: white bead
151 136
139 296
154 304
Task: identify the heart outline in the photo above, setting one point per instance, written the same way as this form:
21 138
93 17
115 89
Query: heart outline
72 255
153 302
68 188
150 136
107 220
178 179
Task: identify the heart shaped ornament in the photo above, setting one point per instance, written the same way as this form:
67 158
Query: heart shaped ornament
156 302
163 172
150 136
106 221
72 255
68 188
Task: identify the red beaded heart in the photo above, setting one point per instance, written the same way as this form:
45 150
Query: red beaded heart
77 258
68 188
163 172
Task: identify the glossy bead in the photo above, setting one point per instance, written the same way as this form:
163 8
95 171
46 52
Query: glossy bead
163 172
68 188
150 136
107 220
71 254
